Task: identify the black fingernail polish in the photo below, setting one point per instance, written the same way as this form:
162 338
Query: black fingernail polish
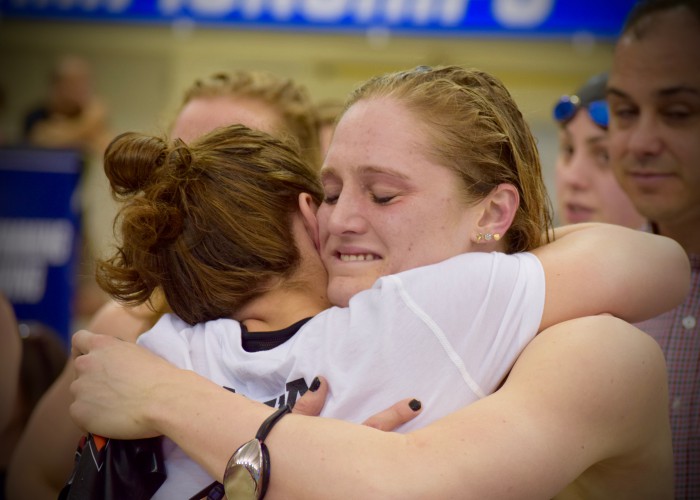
316 383
414 405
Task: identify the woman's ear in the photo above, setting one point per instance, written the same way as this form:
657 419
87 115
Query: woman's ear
307 208
499 208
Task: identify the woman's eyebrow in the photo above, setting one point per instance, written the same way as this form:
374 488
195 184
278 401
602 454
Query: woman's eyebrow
384 171
328 173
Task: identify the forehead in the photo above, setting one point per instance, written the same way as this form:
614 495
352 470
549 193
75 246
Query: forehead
666 56
377 132
581 127
204 114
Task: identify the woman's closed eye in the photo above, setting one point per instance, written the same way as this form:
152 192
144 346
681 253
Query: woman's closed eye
330 198
382 199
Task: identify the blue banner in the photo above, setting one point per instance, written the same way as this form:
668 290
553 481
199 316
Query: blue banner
39 233
602 18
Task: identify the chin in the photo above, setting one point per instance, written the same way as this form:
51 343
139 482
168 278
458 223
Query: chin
341 290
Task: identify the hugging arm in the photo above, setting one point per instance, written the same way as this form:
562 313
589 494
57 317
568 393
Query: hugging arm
524 441
602 268
43 458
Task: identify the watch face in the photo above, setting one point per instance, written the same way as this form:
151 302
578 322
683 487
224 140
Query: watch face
242 477
239 484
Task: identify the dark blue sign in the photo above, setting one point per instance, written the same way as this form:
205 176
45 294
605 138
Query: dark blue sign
39 233
603 18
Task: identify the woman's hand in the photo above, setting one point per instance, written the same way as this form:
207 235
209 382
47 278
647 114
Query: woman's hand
311 404
116 382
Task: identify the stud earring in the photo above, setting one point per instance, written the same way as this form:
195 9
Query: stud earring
488 236
496 236
479 237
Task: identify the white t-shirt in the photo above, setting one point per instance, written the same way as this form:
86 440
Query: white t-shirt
446 334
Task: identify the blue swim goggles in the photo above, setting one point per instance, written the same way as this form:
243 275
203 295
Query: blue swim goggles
568 105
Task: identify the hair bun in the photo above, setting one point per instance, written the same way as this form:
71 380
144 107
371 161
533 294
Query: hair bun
130 161
180 159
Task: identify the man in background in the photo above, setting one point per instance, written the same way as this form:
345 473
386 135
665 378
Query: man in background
654 98
71 115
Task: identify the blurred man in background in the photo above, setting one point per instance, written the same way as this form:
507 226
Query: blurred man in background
654 98
71 115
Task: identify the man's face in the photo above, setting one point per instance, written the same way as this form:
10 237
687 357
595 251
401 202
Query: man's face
654 97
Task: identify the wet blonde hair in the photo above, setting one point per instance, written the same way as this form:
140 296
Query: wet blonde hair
288 99
208 223
474 128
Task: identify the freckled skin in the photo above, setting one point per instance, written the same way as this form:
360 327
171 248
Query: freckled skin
378 151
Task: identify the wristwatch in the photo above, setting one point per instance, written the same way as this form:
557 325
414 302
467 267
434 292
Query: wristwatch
248 470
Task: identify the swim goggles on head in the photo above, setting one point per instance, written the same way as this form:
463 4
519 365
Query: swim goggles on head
568 105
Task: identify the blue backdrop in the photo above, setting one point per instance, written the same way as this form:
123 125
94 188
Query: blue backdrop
40 233
504 18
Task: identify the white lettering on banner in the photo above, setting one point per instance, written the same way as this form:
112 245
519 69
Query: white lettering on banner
421 12
27 248
323 11
521 13
280 10
23 283
213 8
169 7
47 240
249 9
508 13
117 6
113 6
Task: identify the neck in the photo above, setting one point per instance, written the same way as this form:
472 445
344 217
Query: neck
281 307
685 232
292 299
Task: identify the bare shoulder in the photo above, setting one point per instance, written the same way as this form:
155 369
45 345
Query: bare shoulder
606 385
603 340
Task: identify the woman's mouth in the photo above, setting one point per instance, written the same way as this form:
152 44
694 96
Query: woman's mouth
359 257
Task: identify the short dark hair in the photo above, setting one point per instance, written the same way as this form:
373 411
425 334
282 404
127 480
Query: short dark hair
593 89
645 8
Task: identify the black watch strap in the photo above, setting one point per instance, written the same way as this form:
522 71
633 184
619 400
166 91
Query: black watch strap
270 421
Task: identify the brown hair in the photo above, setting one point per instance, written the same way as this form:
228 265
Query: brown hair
476 129
208 223
287 98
